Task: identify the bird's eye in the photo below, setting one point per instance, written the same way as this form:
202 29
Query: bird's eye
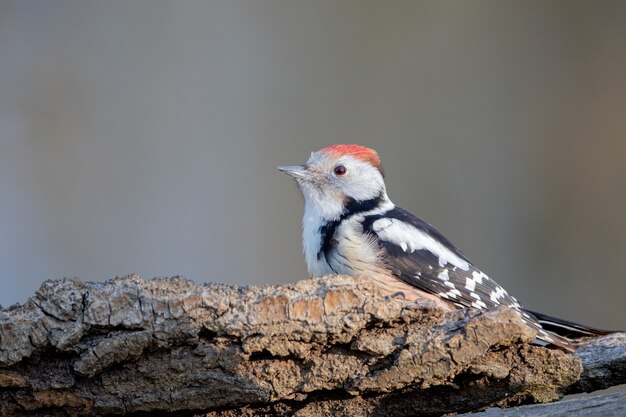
340 170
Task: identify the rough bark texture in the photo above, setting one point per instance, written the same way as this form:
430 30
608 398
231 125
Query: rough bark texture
326 346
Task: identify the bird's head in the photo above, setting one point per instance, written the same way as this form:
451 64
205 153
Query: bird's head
337 176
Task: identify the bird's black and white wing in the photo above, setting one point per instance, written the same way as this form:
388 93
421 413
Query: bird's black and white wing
417 253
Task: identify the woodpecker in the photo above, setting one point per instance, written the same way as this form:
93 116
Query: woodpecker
351 227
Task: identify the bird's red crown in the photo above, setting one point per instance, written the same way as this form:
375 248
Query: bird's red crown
357 151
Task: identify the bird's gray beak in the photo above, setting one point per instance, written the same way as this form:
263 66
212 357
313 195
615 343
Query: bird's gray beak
299 172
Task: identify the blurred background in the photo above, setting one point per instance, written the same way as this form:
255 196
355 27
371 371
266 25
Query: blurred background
143 136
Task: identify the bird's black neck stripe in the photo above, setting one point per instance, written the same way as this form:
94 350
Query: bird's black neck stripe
351 208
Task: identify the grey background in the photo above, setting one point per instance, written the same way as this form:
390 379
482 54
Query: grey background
143 136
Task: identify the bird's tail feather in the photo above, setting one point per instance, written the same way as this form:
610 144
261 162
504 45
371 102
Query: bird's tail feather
568 328
564 332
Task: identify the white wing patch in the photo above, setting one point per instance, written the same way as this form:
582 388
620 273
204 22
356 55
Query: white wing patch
479 276
443 275
476 278
450 295
497 294
411 239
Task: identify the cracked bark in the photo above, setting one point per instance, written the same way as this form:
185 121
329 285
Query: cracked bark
325 346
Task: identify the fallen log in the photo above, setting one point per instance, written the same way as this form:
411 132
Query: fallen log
324 346
602 405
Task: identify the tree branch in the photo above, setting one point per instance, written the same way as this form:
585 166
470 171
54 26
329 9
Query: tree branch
325 346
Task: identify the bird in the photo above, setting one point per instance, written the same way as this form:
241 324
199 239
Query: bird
351 227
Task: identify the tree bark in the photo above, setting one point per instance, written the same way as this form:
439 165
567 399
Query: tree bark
324 346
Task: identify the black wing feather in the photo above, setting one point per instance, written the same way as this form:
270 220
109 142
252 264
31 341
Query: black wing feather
422 269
